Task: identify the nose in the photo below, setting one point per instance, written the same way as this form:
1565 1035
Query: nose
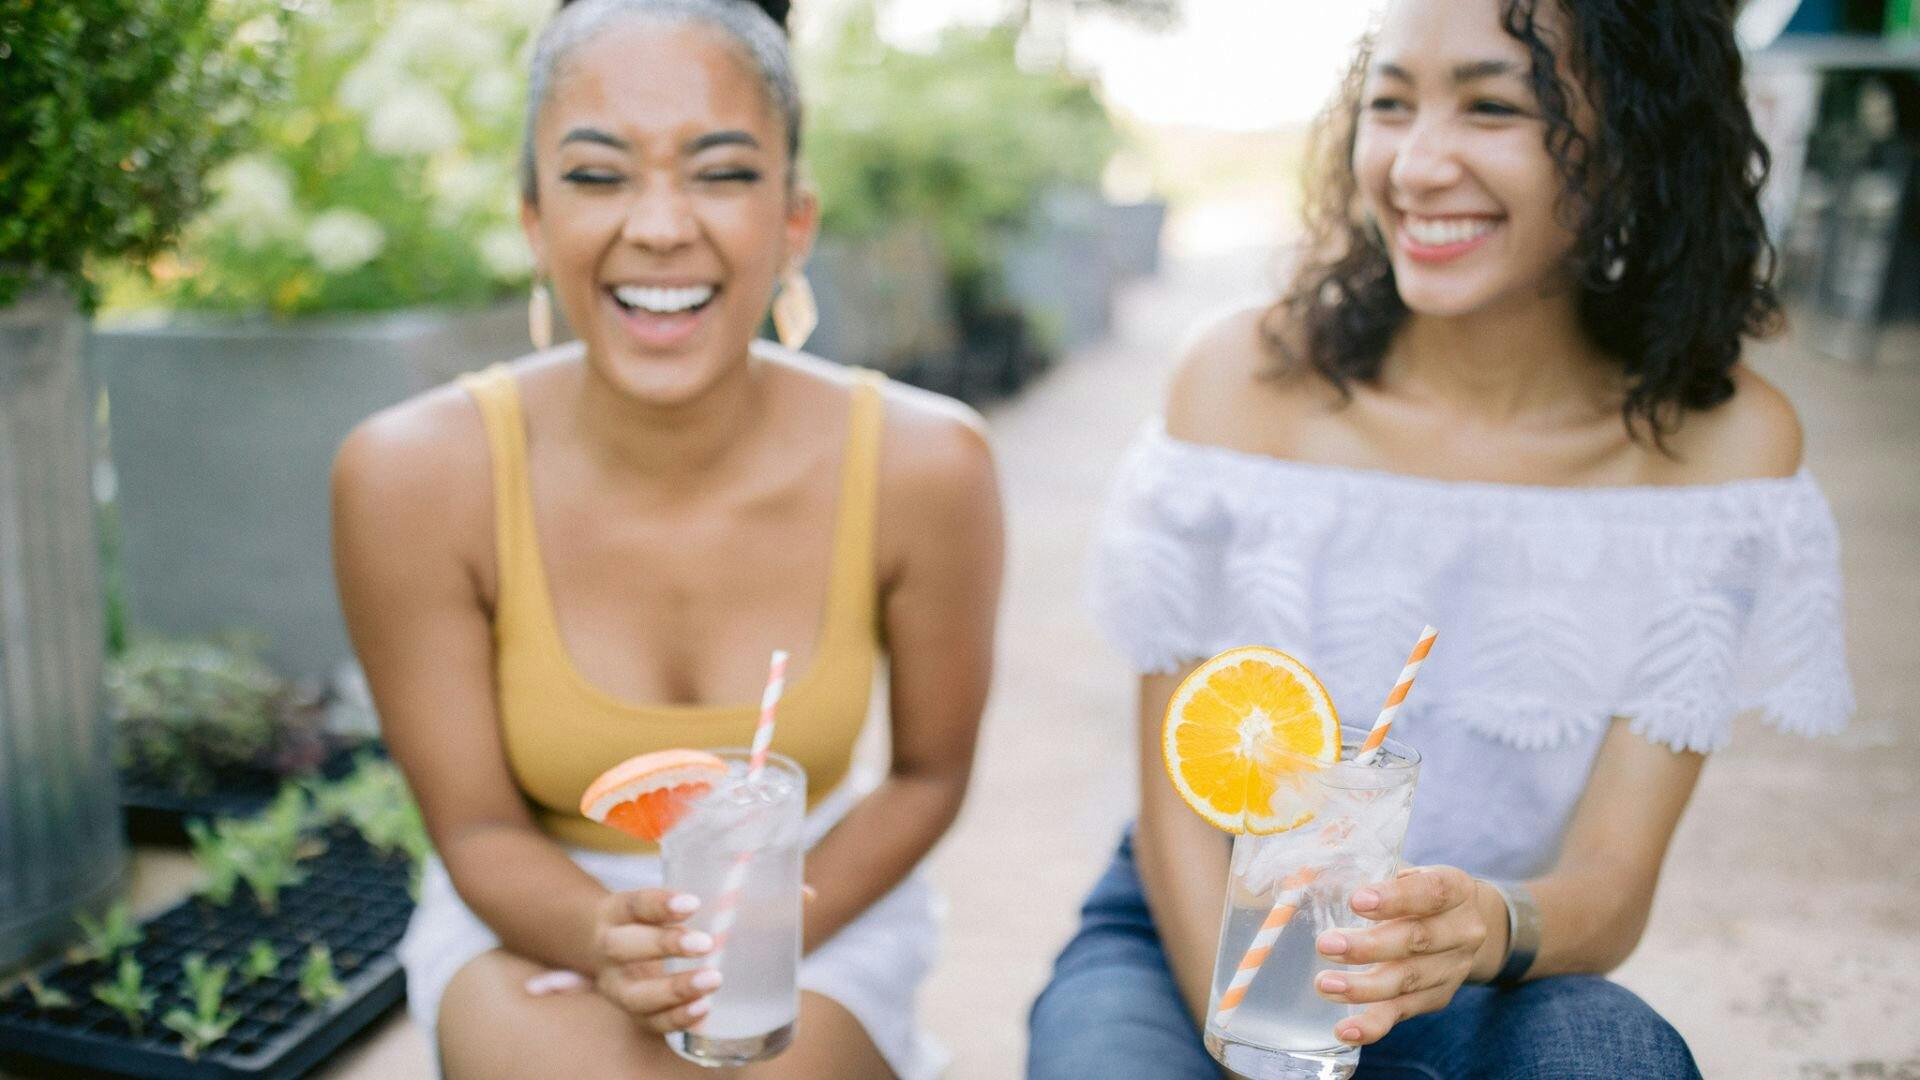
1426 159
660 218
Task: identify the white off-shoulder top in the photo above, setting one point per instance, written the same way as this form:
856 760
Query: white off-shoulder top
1559 609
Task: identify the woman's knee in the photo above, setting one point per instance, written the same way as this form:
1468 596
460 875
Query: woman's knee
1095 1024
1586 1026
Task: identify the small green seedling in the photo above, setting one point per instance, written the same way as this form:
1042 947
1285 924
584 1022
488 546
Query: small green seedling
126 996
206 1023
106 938
318 986
45 998
261 962
215 855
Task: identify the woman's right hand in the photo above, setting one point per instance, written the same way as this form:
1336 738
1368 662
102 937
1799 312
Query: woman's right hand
635 933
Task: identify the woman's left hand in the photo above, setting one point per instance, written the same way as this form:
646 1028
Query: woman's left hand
1430 932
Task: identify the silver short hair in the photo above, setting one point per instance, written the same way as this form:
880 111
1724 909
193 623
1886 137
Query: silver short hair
762 40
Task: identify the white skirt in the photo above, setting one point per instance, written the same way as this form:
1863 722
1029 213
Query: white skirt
873 967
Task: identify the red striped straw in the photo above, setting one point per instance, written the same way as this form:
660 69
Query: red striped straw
1370 750
1286 901
726 907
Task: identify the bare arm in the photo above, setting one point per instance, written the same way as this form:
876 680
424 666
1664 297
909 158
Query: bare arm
1439 927
409 505
1182 860
940 510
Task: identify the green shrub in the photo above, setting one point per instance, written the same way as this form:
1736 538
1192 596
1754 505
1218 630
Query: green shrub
112 113
182 710
385 176
961 138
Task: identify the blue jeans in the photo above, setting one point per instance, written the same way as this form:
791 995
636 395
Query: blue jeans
1113 1012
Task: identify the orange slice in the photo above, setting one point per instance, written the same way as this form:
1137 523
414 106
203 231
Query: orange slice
643 796
1241 733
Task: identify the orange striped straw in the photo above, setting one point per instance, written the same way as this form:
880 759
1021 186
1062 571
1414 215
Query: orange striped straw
726 906
769 703
1286 901
1370 750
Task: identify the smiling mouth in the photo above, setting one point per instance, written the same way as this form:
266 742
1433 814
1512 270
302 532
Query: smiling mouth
657 300
1443 239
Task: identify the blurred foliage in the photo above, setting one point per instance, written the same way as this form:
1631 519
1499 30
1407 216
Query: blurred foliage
961 138
383 177
185 710
112 113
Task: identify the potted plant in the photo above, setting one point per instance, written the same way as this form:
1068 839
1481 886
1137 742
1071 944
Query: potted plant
363 248
113 112
261 981
905 143
205 728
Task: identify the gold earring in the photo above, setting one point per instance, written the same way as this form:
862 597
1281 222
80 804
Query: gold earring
795 312
540 315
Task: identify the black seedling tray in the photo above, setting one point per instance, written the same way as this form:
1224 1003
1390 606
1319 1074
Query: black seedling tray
155 813
354 901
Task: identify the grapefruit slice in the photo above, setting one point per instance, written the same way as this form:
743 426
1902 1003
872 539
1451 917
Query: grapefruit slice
1240 734
643 796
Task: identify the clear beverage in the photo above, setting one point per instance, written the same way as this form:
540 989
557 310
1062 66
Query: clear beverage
1282 1027
743 839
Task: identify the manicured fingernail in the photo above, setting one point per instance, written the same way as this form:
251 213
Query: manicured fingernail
1333 944
1333 984
1349 1033
1366 900
699 1008
706 979
683 904
693 941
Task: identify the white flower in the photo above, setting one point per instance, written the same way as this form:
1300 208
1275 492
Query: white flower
438 35
413 119
367 84
255 200
504 250
463 186
494 91
342 240
521 15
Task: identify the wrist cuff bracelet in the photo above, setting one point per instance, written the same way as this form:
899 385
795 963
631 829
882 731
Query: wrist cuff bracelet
1523 931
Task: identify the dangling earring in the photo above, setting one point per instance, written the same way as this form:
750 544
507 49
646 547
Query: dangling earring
540 315
795 312
1613 254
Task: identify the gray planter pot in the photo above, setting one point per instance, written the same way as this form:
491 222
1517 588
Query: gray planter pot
1061 271
885 303
223 436
60 844
1133 237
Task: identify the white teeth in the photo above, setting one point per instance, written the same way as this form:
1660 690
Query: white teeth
663 301
1443 232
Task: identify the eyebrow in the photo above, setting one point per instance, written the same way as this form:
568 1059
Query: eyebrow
1462 73
728 137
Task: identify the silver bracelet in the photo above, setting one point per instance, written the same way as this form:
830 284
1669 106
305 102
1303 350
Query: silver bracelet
1523 931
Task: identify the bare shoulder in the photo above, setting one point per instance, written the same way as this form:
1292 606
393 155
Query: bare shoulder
419 469
1754 435
932 442
1230 387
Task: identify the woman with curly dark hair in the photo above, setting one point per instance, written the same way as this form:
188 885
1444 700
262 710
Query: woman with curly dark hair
1502 394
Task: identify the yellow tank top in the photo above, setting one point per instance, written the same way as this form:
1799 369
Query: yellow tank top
560 731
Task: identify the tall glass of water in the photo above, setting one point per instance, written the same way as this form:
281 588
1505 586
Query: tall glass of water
739 849
1300 882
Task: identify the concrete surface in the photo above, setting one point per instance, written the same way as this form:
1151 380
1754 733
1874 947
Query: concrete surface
1786 938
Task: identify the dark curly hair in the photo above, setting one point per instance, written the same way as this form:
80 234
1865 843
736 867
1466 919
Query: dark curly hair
1671 254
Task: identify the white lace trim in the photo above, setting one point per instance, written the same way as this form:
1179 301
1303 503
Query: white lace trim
1559 608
